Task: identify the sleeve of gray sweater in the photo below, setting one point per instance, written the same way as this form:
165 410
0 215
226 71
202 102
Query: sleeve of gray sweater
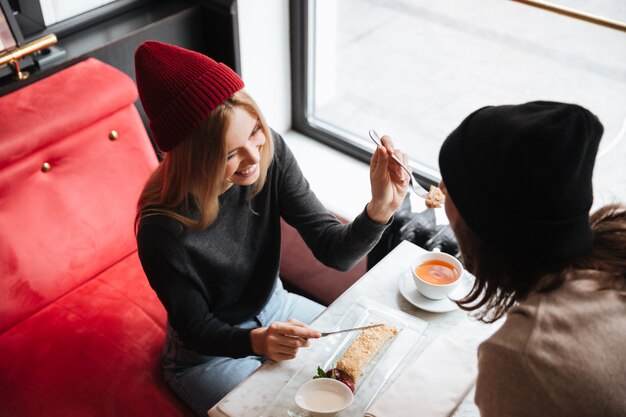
335 244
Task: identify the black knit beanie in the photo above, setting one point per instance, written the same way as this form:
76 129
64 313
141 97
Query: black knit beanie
520 177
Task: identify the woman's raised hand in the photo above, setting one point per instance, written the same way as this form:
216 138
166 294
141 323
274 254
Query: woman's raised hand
281 340
388 181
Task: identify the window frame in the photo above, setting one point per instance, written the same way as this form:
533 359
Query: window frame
300 92
300 96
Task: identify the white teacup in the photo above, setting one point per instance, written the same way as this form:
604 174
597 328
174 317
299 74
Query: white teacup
438 274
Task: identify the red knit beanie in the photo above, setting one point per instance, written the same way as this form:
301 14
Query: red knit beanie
179 88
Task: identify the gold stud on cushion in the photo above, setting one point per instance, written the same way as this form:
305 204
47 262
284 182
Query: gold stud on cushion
113 135
45 167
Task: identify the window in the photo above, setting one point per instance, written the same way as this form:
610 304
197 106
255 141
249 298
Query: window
415 69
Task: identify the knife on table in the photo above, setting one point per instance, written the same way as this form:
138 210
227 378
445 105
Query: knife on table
351 329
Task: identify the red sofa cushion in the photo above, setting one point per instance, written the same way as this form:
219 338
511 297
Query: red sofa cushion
303 274
60 228
49 110
93 352
80 328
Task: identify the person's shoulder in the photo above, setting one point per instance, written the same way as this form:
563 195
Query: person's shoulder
283 160
557 318
280 146
581 293
158 238
517 328
153 224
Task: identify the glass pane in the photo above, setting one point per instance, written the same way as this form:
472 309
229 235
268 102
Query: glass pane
414 69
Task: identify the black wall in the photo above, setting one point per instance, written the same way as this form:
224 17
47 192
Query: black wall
208 26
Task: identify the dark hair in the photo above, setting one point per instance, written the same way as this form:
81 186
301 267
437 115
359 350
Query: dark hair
503 279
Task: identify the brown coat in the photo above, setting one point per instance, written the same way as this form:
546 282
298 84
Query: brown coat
561 353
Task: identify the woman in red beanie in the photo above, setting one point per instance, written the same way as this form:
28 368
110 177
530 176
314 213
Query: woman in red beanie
519 193
208 224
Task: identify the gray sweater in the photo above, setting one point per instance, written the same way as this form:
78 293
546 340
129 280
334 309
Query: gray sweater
211 280
560 353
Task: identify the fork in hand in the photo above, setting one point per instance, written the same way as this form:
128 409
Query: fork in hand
417 189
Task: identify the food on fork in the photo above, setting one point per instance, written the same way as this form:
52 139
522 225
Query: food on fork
435 197
361 352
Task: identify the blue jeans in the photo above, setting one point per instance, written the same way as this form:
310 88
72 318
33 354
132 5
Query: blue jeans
201 381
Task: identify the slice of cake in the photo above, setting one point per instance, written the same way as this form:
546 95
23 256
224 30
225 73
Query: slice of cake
362 350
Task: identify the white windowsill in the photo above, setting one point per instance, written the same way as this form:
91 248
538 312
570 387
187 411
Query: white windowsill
340 181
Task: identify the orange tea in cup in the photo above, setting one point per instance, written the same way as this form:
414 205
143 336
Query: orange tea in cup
437 272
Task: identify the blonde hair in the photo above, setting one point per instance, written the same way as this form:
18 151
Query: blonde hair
195 168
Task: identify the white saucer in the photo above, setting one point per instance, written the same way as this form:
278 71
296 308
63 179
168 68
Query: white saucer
408 291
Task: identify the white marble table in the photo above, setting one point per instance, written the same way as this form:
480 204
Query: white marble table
253 395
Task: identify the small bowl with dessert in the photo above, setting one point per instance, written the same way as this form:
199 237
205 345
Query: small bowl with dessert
331 391
324 397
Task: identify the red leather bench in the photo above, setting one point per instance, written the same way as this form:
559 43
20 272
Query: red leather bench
80 328
302 273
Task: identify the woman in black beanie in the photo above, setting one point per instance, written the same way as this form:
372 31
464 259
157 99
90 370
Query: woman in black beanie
518 182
